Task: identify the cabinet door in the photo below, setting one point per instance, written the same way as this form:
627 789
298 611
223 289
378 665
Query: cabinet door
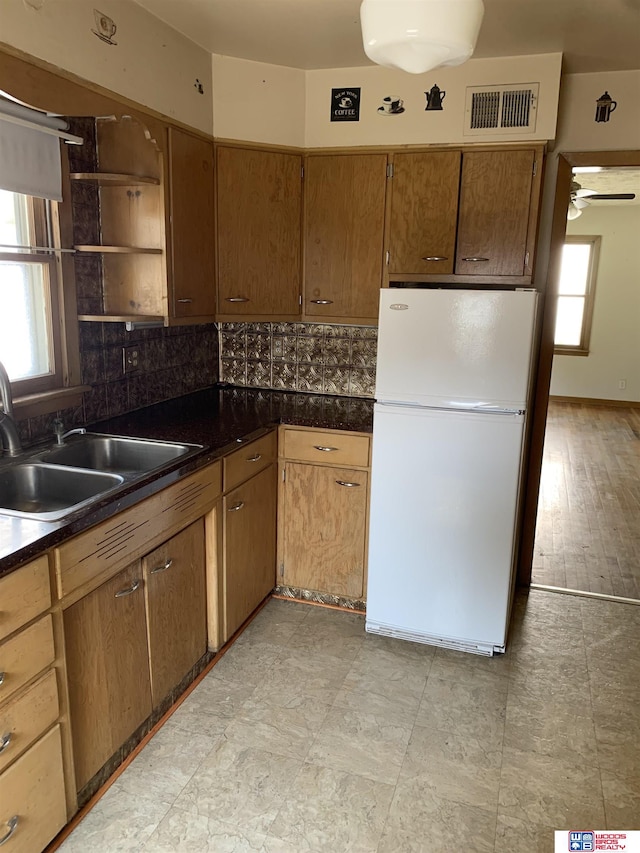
107 669
174 576
324 528
249 547
259 201
424 206
343 235
192 225
493 221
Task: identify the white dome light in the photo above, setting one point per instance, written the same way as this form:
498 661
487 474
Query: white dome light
417 35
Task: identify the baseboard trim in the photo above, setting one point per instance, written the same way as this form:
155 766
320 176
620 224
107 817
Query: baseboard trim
595 401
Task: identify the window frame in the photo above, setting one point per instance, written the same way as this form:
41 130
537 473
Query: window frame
582 348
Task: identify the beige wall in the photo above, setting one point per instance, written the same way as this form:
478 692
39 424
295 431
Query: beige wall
258 102
151 63
615 335
415 125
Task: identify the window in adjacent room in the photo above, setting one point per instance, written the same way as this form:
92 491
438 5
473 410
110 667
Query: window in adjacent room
576 294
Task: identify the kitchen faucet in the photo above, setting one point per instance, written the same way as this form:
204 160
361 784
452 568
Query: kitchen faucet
8 430
58 428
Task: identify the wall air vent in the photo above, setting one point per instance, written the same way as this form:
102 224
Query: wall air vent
501 109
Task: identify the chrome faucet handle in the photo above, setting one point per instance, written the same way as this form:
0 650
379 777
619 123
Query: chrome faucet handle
58 428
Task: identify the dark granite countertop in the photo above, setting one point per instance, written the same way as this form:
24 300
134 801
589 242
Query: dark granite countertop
215 418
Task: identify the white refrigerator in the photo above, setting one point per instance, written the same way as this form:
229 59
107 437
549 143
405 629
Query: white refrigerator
452 380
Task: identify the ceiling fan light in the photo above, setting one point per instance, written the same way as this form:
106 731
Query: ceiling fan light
573 211
418 35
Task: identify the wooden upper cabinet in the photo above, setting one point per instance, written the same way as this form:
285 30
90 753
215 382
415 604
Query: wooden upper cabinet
424 206
259 202
191 210
343 235
493 220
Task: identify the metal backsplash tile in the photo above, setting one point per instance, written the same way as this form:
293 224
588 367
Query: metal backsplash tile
311 357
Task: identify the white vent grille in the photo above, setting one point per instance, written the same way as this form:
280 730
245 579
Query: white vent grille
502 109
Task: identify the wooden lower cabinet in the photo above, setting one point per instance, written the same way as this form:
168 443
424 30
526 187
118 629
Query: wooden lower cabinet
107 669
323 528
32 800
249 547
174 578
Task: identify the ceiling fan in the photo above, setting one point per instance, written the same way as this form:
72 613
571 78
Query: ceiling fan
581 197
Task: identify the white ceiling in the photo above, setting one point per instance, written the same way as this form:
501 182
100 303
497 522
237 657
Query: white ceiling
593 35
618 180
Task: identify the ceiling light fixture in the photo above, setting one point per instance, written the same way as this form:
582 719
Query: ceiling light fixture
418 35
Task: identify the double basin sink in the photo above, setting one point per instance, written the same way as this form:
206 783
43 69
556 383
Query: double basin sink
54 483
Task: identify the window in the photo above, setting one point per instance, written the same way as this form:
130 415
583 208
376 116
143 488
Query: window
576 294
29 338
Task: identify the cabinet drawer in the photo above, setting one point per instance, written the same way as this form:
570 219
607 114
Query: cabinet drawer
25 655
326 447
115 543
25 717
32 800
249 460
24 594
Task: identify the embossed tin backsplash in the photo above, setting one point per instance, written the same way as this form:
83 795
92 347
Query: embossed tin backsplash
309 357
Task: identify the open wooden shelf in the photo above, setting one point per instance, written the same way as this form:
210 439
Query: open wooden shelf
119 250
114 179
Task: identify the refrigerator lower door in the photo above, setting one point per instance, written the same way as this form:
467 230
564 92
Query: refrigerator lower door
444 491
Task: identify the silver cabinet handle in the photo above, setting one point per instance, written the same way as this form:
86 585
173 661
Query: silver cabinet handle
236 507
347 484
236 299
2 675
5 740
254 458
185 300
12 823
436 258
325 449
163 568
322 301
129 590
475 259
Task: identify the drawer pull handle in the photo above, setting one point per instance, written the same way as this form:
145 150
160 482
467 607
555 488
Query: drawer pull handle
475 259
12 823
437 258
236 299
323 449
322 301
188 301
236 507
2 675
347 484
163 568
5 740
255 458
129 590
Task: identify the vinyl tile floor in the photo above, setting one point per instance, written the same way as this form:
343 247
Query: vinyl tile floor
311 735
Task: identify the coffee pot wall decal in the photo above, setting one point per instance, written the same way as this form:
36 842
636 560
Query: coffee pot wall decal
435 96
605 105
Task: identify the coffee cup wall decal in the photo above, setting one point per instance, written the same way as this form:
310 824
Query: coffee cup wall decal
391 106
105 27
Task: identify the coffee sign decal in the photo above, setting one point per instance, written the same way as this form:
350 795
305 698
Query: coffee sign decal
345 104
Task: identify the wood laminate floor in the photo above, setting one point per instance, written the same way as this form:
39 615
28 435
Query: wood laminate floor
588 529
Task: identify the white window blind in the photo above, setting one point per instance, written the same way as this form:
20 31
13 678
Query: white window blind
30 151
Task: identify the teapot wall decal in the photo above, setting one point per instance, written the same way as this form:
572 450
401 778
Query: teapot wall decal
435 97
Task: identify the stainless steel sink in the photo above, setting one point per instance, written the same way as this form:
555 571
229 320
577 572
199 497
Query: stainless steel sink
48 492
117 454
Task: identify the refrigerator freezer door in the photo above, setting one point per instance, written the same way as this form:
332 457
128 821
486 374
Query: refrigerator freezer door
455 348
443 504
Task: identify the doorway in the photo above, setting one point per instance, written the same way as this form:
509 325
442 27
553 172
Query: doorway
585 533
